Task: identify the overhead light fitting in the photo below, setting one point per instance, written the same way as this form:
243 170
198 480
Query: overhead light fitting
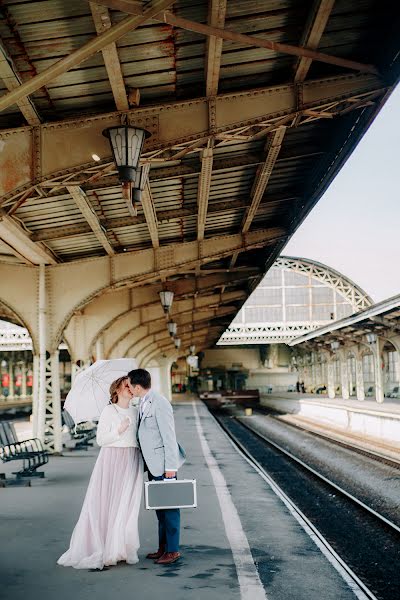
166 298
142 175
371 338
192 349
126 144
96 157
335 345
177 342
172 327
132 191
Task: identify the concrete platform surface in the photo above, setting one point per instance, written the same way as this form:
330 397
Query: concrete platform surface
251 549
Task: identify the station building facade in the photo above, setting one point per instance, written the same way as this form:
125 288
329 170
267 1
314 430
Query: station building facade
297 297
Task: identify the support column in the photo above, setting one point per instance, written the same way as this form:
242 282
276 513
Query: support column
11 390
53 404
76 369
99 348
344 376
165 376
331 377
313 372
41 420
35 395
376 350
307 378
359 378
23 380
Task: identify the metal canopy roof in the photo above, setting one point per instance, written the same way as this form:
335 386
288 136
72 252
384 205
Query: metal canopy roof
382 318
244 137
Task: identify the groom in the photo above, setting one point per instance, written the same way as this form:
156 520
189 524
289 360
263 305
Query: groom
162 457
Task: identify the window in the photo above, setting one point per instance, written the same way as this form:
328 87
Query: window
266 297
322 295
273 277
264 314
343 310
322 313
297 295
393 368
297 313
368 370
292 278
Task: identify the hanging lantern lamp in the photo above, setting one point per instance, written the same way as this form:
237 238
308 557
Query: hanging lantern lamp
172 328
166 298
126 144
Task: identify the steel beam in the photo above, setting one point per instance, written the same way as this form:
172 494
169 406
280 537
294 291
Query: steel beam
183 308
273 148
83 53
102 21
216 18
189 323
138 268
12 81
20 243
204 191
150 215
86 209
132 7
249 40
234 36
54 233
312 34
172 125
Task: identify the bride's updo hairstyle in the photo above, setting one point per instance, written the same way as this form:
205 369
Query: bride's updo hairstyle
114 389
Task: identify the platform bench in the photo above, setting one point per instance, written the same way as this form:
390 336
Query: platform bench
30 452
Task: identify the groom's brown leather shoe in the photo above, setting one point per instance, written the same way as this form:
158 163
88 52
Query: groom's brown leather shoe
168 558
156 555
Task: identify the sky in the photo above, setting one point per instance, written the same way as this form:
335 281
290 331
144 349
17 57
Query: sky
355 227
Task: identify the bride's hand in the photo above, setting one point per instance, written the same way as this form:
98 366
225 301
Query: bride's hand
124 425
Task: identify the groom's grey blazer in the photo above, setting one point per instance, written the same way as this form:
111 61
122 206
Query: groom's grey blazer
156 435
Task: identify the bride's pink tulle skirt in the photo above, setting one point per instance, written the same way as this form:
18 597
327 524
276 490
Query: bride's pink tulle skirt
107 529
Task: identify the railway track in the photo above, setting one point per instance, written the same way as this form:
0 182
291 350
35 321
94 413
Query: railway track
365 542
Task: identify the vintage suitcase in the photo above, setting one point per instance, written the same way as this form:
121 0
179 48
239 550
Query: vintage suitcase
170 493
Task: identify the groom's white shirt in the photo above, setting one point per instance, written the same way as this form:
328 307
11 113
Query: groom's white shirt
143 402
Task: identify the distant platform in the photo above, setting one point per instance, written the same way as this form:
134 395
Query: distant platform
250 549
380 421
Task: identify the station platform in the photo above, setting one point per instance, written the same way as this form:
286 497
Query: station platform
375 421
242 542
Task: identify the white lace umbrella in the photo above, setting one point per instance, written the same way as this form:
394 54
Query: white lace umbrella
90 392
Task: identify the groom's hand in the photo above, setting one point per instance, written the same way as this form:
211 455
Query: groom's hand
170 474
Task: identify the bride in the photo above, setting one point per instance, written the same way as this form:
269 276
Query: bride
107 529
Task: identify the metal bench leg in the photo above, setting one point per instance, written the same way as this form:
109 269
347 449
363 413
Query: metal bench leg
22 474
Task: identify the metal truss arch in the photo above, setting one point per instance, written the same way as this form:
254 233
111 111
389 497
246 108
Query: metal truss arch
337 281
283 331
19 337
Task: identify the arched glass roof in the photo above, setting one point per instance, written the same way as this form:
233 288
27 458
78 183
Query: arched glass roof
295 296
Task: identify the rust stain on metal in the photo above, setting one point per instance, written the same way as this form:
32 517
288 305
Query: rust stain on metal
10 174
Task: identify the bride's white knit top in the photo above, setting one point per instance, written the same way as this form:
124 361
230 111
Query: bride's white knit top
109 422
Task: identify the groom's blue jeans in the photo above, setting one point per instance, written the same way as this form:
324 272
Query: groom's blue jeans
169 522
